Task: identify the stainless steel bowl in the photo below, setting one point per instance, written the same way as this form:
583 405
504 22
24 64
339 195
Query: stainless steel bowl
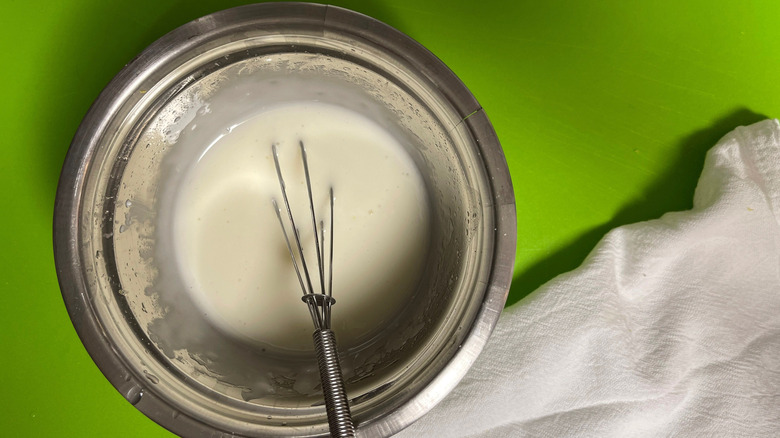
143 334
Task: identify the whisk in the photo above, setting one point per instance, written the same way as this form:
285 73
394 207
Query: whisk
319 304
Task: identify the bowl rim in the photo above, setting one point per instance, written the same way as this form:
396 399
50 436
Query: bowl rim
68 202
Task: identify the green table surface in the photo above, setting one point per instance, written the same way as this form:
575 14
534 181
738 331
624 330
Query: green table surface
605 110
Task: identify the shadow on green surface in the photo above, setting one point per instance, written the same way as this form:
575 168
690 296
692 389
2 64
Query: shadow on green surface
90 46
680 179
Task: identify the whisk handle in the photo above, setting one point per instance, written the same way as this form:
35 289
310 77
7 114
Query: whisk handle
336 403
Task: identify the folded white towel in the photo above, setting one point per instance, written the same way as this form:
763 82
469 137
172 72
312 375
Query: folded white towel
670 327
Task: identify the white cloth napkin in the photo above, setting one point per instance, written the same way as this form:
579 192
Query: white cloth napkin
670 327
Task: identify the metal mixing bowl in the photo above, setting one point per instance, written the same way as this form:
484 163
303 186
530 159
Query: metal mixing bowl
144 334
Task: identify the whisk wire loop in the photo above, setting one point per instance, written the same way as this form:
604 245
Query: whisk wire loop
320 264
295 232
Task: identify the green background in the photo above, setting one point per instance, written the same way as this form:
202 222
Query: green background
605 110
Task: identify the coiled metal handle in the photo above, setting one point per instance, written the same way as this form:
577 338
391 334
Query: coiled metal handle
336 403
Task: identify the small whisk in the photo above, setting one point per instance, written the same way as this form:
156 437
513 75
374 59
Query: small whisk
319 303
